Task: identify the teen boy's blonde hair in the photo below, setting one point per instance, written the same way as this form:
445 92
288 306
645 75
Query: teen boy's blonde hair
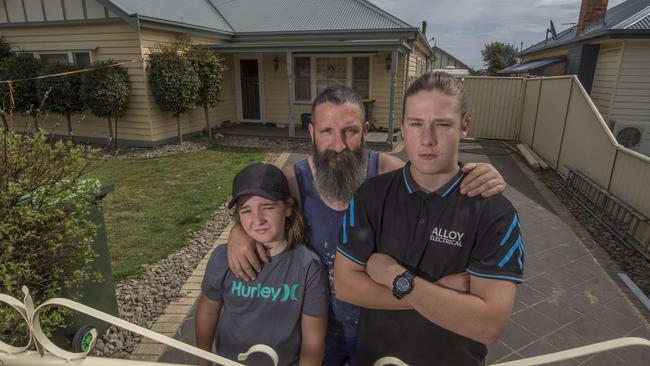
443 82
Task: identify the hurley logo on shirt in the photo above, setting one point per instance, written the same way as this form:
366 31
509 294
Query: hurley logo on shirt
448 237
284 293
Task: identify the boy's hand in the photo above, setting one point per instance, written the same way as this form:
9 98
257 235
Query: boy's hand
245 255
483 179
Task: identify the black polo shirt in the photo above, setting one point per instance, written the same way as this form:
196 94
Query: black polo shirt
432 235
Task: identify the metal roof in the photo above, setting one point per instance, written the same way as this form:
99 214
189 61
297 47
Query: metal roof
255 16
265 16
623 17
643 23
192 13
532 65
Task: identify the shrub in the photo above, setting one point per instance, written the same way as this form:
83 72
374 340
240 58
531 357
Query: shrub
25 93
174 83
105 91
63 91
210 70
5 48
45 234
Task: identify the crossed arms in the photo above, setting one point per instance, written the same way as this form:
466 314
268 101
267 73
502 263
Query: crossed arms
480 314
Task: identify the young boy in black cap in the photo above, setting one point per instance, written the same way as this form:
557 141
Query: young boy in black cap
286 306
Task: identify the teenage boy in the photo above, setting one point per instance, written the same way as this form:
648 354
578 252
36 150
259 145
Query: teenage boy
406 229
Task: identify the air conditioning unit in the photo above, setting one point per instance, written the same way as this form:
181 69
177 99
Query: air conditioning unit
633 135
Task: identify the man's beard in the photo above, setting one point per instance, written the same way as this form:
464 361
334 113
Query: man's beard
338 175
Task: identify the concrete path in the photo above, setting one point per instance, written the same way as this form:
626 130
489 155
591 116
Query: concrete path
567 299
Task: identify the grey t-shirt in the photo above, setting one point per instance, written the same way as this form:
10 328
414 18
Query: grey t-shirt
267 310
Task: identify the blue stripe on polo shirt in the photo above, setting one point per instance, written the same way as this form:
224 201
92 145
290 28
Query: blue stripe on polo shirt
408 186
451 188
519 244
515 222
499 277
348 256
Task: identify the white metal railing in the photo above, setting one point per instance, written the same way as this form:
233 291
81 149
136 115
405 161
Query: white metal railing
47 353
50 354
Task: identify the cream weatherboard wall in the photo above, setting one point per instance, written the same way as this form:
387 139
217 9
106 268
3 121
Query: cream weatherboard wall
380 89
112 40
606 76
631 101
163 124
276 89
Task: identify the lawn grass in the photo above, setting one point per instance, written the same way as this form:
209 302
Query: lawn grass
159 202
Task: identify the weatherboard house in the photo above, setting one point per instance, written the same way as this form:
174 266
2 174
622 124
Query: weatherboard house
609 51
279 54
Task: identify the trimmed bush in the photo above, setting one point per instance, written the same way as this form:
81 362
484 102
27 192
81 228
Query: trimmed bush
45 235
174 83
63 91
5 48
25 93
210 70
105 91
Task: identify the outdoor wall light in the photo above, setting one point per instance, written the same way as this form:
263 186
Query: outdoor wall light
389 61
276 63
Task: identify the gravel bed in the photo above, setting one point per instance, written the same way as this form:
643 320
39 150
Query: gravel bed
627 259
195 143
265 142
143 299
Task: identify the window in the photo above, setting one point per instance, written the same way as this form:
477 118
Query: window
315 73
330 71
303 79
79 59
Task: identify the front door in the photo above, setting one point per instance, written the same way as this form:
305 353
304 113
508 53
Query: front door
250 89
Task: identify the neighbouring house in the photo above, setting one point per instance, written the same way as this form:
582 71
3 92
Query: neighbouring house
609 51
443 60
279 53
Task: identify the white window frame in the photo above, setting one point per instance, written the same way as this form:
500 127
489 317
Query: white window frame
37 54
312 69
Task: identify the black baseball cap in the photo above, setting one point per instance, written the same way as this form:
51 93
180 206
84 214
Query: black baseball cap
259 179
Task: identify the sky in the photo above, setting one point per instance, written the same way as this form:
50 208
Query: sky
463 27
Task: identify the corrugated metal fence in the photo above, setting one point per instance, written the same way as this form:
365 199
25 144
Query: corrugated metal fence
556 117
561 123
495 104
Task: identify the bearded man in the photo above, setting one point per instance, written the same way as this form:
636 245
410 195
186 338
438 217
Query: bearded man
323 185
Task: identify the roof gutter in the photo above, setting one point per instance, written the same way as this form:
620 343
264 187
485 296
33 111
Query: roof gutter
161 24
406 33
339 46
609 34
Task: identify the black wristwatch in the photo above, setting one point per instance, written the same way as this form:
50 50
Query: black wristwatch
403 284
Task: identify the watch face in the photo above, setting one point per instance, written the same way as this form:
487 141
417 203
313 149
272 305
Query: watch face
402 284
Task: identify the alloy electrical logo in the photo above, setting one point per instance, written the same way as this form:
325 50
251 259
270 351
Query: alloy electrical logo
283 293
448 237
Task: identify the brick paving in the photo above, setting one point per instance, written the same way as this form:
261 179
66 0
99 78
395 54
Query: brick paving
567 300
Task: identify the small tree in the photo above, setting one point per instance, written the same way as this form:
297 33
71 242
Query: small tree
5 48
105 91
210 70
25 93
45 234
498 55
63 91
174 83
